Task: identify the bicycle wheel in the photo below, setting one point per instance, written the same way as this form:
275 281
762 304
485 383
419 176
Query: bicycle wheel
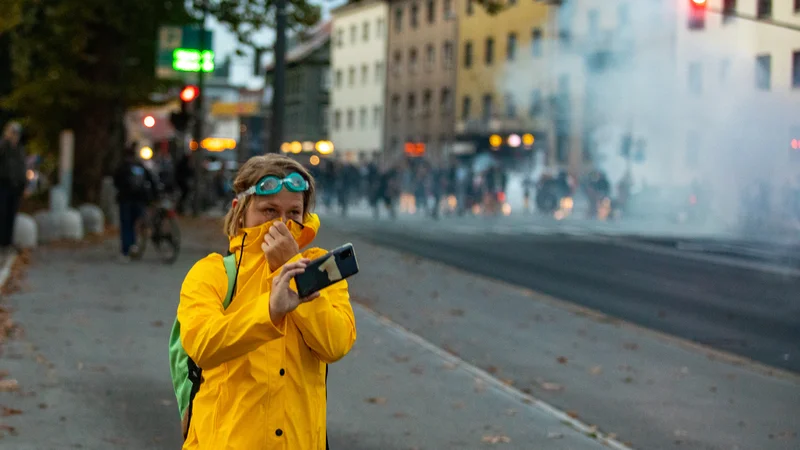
167 239
142 236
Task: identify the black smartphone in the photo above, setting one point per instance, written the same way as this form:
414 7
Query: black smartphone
339 264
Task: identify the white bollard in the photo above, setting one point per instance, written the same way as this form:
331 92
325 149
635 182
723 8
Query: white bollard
92 217
47 226
71 224
25 231
58 199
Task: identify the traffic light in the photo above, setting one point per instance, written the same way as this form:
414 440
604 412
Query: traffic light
697 14
180 120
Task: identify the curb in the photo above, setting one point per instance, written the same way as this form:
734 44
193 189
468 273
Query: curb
5 271
513 393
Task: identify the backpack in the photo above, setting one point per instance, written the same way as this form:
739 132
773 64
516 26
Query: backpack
186 375
138 182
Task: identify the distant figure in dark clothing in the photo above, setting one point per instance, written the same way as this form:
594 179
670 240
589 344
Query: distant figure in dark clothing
136 187
12 183
184 174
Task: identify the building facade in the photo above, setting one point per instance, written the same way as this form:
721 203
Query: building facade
739 79
358 68
502 77
421 78
308 82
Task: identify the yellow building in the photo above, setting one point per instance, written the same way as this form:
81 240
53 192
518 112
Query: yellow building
501 59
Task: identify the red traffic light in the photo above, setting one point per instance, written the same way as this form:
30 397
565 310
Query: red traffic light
189 93
149 121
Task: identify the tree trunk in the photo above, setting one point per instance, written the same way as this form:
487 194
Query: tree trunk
92 143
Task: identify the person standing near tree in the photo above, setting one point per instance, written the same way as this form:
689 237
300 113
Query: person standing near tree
12 183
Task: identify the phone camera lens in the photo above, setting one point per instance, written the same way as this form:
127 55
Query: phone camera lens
346 254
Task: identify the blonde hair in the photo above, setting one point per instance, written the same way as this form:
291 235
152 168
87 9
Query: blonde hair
255 169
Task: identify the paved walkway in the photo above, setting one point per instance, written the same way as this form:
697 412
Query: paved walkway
92 369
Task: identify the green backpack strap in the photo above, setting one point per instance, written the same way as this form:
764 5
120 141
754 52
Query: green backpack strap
230 269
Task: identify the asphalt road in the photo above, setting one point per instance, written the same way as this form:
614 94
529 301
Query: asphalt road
751 313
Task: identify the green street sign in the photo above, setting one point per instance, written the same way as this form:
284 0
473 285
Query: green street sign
178 52
191 60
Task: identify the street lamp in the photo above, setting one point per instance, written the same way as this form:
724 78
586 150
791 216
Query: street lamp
149 121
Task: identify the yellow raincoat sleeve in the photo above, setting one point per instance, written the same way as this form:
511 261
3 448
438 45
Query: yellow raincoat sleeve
211 337
327 324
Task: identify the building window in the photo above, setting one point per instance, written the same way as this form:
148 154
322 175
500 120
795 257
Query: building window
695 80
466 105
536 103
379 29
350 119
536 42
729 9
511 47
467 55
353 34
326 79
412 60
338 81
511 107
426 102
376 116
763 72
396 107
398 20
447 8
489 51
470 7
796 68
364 74
796 5
447 59
414 16
378 72
431 11
430 56
564 39
365 31
487 107
337 120
362 118
398 59
412 104
623 15
446 102
351 77
764 9
340 37
324 118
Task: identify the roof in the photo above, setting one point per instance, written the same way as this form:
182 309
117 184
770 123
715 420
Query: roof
317 37
354 4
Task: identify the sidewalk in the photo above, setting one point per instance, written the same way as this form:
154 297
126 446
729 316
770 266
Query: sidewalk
92 369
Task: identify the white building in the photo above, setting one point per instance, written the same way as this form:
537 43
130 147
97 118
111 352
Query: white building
740 96
358 67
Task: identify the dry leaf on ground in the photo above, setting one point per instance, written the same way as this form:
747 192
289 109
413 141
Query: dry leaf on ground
596 370
376 400
553 387
10 411
561 359
10 385
496 439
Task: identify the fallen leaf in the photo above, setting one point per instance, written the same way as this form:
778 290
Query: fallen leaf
552 387
417 370
492 370
157 324
42 405
376 400
507 381
630 346
10 385
596 370
399 415
457 312
450 365
572 414
10 411
3 374
495 439
7 429
561 360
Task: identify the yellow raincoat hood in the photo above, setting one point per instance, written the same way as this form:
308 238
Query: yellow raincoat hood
264 383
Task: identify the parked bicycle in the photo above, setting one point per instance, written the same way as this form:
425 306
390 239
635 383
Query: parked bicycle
159 224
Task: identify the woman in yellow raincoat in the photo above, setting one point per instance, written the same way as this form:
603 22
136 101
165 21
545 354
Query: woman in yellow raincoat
264 358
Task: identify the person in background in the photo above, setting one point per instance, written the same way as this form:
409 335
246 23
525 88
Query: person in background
264 360
136 187
184 175
12 183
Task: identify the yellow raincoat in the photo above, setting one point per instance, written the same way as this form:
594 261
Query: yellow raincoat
264 383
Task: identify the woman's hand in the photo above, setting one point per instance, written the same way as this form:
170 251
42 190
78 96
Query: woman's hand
279 246
282 299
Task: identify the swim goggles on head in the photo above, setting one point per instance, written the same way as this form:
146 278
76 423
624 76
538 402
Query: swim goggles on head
271 184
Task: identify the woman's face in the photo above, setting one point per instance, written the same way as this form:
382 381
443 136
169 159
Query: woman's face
284 205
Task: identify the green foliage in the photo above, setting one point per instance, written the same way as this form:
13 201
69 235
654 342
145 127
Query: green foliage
243 17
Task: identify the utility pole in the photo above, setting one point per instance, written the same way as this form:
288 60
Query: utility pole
279 79
199 118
